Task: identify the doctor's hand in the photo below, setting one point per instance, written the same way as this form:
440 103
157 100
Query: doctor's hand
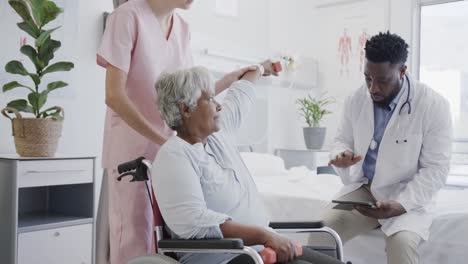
382 210
345 159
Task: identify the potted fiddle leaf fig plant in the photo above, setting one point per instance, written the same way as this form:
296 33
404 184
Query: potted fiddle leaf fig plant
313 110
37 133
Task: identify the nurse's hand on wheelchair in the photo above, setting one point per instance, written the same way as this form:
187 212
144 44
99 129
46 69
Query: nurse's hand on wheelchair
345 159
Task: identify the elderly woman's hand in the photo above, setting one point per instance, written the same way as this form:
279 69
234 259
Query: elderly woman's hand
231 77
283 247
269 70
252 75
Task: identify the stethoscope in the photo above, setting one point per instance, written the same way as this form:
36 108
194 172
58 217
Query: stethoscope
406 103
402 139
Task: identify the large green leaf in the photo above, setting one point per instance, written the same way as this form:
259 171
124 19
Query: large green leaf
44 36
32 30
42 99
22 10
32 54
12 85
21 105
37 100
46 51
37 4
55 85
33 98
51 11
29 51
59 66
36 7
16 67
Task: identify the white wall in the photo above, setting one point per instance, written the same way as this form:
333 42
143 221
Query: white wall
82 131
85 132
293 29
364 15
263 27
300 27
247 33
404 22
84 111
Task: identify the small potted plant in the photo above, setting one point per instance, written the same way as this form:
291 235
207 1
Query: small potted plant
37 135
313 110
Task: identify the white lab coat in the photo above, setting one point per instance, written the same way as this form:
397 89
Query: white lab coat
411 173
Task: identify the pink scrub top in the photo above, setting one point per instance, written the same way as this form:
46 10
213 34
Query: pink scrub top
134 43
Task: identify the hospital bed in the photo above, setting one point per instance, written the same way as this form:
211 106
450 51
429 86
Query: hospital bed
138 170
300 194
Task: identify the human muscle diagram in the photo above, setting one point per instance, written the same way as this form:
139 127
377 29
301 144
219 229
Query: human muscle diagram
361 45
344 52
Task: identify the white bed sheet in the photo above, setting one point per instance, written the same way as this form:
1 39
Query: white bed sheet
298 194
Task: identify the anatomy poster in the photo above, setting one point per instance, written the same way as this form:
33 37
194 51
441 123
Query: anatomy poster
11 45
361 44
349 26
344 52
347 48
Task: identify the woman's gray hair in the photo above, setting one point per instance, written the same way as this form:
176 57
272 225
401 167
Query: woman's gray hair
184 86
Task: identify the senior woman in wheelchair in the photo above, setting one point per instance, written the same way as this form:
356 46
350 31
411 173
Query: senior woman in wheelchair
202 186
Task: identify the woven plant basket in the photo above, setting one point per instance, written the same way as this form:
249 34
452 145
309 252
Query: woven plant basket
34 137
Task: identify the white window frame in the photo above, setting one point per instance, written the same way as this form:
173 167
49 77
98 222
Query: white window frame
416 57
417 47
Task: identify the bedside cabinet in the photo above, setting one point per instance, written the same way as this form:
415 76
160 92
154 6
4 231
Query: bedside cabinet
47 210
311 158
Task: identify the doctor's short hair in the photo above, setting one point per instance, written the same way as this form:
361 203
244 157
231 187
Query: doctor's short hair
184 86
386 47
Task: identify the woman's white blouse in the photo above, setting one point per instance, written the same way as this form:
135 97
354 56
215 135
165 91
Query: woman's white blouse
198 187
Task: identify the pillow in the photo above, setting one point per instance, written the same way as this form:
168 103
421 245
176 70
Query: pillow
263 164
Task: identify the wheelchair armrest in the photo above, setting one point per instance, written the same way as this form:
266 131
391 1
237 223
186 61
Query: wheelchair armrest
201 244
310 227
296 225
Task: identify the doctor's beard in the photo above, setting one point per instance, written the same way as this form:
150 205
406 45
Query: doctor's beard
385 103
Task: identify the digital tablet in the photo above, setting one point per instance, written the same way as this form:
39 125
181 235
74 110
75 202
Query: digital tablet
348 205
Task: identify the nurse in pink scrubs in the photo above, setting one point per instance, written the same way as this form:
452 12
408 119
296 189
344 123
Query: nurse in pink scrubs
143 38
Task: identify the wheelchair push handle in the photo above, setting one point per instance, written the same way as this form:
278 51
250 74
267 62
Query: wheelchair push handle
137 169
130 165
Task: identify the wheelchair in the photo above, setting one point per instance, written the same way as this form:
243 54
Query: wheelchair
166 247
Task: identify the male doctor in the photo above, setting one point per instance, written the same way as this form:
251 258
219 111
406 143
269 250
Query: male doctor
393 148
